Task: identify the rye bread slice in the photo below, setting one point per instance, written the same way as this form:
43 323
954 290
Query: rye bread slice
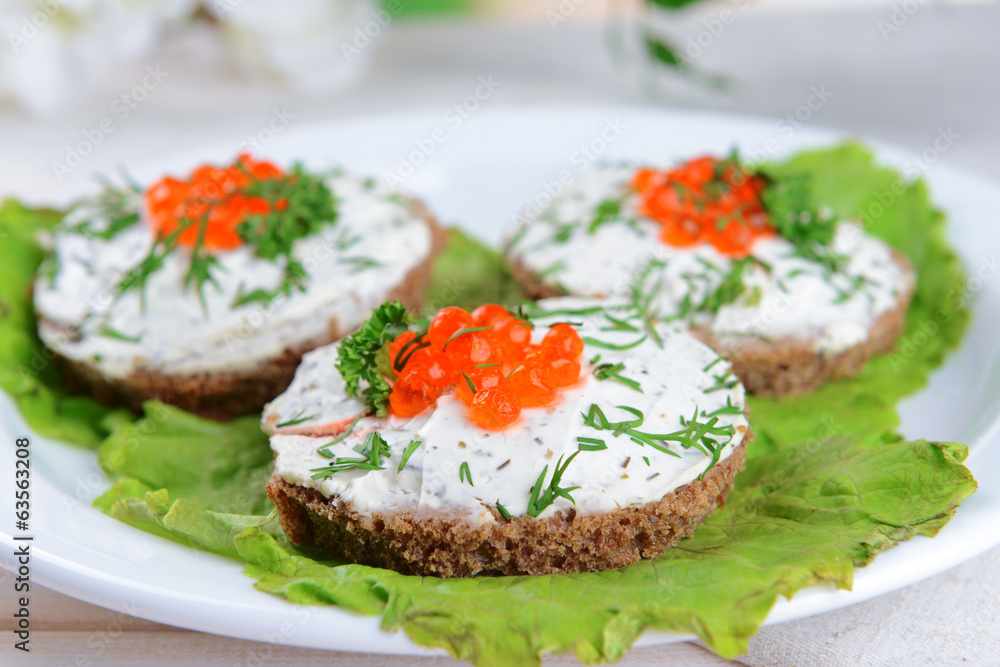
785 366
444 546
224 395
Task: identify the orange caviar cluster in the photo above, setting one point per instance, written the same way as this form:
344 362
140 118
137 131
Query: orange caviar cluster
213 192
705 201
495 355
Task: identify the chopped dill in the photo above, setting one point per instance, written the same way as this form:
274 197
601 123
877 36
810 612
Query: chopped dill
407 453
464 473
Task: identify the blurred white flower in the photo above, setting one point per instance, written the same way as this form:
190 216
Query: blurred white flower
309 45
57 48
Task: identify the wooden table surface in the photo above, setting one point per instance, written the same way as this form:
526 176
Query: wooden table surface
69 632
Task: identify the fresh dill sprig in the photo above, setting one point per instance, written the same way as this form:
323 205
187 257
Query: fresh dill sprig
540 500
531 310
299 205
618 324
703 436
609 371
373 453
613 346
407 453
712 364
359 264
108 332
116 206
297 418
464 473
643 299
564 232
551 270
609 210
323 451
728 409
722 381
585 444
462 332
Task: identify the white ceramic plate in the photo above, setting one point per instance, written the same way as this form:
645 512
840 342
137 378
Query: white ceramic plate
479 176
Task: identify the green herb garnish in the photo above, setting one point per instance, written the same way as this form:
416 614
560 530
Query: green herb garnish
359 264
117 206
108 332
702 436
462 332
373 452
300 205
539 500
612 346
607 211
464 473
610 371
298 418
407 453
356 357
323 451
723 381
590 444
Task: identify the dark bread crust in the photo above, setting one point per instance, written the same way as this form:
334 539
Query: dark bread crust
785 366
450 547
224 395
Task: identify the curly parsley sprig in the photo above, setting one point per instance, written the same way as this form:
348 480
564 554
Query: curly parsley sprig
358 358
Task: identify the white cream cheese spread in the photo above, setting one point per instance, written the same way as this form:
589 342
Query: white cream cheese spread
678 378
351 266
786 296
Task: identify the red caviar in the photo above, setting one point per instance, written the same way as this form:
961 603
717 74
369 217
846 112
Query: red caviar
706 200
213 192
487 358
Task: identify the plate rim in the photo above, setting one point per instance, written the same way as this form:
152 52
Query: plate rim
67 577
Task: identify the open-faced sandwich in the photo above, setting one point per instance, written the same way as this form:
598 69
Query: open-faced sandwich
205 291
791 295
568 437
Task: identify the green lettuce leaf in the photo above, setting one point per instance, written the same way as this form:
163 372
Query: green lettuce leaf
468 274
847 179
27 372
797 517
793 521
807 509
220 465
